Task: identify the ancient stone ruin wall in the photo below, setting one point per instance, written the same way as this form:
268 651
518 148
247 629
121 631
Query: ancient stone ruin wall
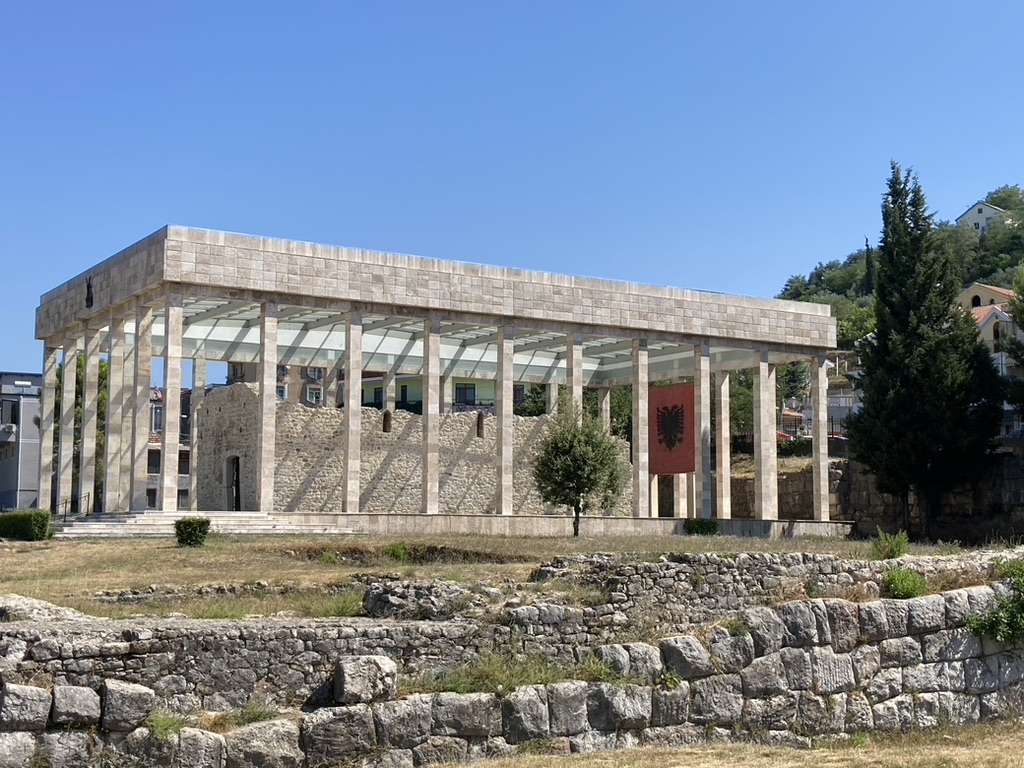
791 674
311 458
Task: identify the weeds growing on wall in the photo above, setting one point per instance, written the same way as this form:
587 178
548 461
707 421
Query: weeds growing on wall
904 584
890 546
1005 622
166 725
253 712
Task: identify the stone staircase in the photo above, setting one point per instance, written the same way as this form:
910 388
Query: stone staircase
156 523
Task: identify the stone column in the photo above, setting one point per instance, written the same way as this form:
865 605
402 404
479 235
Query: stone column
353 429
641 455
144 316
702 452
679 495
447 390
90 413
655 496
574 369
506 420
47 398
69 382
723 440
551 390
431 413
604 407
112 499
766 485
170 444
388 384
266 451
819 437
124 458
195 400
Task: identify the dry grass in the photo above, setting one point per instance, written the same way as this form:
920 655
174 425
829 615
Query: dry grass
71 573
983 746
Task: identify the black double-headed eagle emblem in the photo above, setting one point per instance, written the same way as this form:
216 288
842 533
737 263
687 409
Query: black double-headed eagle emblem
670 421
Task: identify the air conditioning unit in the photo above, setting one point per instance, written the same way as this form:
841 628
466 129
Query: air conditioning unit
10 428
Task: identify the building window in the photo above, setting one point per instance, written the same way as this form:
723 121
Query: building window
282 392
156 419
981 210
182 499
977 225
184 462
404 394
282 372
518 394
465 394
314 394
151 498
378 396
975 301
153 462
315 374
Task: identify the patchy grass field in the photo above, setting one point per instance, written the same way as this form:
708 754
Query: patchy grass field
71 573
995 745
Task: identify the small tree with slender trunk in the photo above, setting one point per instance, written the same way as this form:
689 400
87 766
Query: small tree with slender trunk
579 464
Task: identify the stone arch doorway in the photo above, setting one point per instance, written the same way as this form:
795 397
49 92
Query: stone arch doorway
233 484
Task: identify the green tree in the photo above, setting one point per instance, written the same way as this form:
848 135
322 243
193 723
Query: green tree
578 464
1014 348
932 395
1009 198
535 403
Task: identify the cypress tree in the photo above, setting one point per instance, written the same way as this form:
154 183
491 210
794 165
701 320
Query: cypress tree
932 397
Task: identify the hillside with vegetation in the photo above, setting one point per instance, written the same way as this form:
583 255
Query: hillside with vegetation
993 257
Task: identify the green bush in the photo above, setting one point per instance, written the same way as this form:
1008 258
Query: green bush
903 584
399 552
890 546
191 531
1005 622
698 526
800 446
26 525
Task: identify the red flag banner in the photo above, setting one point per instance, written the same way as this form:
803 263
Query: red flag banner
671 424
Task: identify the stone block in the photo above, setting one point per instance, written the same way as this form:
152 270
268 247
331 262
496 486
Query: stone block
339 734
686 657
926 614
126 706
731 654
896 714
887 684
466 714
404 724
831 672
525 714
23 707
270 744
610 708
441 750
859 717
765 676
766 630
897 616
615 656
950 645
644 661
844 624
866 661
874 623
364 679
74 749
200 749
593 741
818 714
672 736
776 712
797 663
16 749
900 652
670 707
717 700
800 626
567 708
75 705
823 628
958 608
981 675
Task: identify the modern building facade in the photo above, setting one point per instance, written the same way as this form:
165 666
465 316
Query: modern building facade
19 439
190 296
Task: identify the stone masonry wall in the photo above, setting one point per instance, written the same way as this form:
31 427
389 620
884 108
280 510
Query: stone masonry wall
311 459
808 669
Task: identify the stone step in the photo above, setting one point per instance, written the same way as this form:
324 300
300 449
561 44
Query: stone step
160 523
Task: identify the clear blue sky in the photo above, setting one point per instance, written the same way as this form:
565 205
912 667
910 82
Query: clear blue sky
718 146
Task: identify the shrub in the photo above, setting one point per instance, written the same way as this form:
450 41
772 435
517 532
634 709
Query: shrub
166 725
399 552
890 546
26 525
191 531
904 584
1005 622
698 526
801 446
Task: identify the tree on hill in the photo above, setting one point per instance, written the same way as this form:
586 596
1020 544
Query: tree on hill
1009 198
932 395
1014 348
578 464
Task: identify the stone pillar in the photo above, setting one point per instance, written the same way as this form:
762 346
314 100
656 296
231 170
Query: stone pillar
679 496
47 398
604 407
766 485
90 413
551 390
170 444
702 452
388 384
819 437
447 390
506 420
353 430
266 453
332 375
124 458
655 497
641 455
574 369
195 400
112 499
69 382
431 413
723 439
144 316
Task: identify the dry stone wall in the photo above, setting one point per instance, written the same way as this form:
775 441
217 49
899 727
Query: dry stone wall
310 469
791 675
